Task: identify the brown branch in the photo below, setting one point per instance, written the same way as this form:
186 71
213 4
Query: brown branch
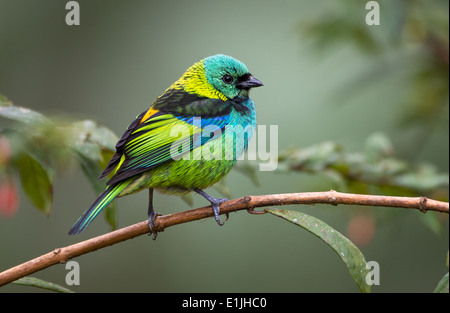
62 255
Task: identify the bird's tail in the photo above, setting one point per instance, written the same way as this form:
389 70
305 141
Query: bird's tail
102 201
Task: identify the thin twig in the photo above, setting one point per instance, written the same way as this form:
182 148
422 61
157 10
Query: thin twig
62 255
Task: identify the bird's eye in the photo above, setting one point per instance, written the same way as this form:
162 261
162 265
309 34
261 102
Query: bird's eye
227 79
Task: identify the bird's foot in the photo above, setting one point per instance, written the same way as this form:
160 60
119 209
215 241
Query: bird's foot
151 220
214 204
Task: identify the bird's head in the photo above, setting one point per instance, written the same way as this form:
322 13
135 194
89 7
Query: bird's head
229 76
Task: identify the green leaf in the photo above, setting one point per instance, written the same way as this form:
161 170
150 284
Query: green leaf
425 177
81 144
314 158
4 101
442 286
23 115
37 182
111 215
87 132
347 251
104 137
92 170
94 146
337 179
378 146
39 283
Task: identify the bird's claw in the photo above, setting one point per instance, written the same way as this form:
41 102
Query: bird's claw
151 219
215 206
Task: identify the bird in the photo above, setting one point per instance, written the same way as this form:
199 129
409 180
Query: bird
189 139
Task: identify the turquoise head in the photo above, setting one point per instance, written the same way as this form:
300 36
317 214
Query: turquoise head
229 76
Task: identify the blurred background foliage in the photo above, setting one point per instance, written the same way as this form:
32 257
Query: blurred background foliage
359 108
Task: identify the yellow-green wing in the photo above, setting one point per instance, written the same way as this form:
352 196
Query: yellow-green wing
156 137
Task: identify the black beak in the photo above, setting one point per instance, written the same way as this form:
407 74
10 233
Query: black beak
250 82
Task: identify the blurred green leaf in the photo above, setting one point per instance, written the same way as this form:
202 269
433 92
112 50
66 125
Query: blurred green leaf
94 146
39 283
442 286
378 146
413 35
36 135
337 179
88 132
92 170
359 172
425 177
37 182
22 115
347 251
83 144
111 215
313 158
341 23
4 101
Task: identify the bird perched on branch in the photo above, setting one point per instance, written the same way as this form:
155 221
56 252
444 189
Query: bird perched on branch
189 138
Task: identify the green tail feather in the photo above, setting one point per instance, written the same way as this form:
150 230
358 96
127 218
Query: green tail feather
102 201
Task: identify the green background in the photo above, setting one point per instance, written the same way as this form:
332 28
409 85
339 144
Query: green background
124 54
